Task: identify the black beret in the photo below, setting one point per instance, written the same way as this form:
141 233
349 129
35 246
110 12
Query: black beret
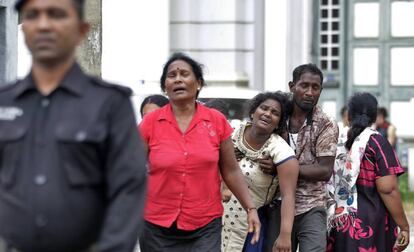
19 4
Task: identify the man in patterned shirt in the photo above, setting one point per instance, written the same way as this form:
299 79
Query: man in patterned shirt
313 136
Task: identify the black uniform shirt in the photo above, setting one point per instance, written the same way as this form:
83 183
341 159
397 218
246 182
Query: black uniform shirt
72 166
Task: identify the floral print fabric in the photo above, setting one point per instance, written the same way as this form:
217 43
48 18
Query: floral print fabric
346 170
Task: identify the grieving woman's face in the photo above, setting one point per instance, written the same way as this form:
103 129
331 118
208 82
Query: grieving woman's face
267 115
181 82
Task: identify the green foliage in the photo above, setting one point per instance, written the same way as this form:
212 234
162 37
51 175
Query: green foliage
406 196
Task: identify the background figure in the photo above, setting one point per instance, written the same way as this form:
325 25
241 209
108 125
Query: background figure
385 128
189 147
151 103
369 215
314 137
219 105
71 158
255 140
223 107
343 125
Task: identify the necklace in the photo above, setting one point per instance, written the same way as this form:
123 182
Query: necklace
242 144
293 141
247 143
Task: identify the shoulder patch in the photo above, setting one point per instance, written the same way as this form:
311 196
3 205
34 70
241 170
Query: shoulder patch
124 90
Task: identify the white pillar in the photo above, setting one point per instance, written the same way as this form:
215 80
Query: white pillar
8 41
135 41
299 36
275 45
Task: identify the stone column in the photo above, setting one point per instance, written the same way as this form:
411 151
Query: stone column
8 41
90 51
410 168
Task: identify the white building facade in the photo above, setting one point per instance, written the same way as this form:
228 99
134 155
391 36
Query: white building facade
361 45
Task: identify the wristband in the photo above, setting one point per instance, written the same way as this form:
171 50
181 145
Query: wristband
250 209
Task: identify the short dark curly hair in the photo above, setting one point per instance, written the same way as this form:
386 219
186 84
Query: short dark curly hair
306 68
197 68
278 96
156 99
78 4
219 105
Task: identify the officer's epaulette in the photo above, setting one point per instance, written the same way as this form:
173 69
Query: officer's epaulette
8 86
124 90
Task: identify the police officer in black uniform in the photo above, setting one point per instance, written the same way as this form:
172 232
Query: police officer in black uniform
72 166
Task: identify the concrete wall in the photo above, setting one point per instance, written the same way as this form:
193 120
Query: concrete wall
240 42
8 41
90 51
219 34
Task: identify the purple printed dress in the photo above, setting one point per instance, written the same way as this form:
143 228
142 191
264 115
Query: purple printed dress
374 229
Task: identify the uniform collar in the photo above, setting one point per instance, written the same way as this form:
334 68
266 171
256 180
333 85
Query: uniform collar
23 86
73 81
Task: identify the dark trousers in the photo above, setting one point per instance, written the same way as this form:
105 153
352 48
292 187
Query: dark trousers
309 229
155 238
6 247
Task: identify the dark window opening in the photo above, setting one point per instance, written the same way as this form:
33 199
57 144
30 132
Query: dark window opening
335 13
335 38
335 26
324 64
335 64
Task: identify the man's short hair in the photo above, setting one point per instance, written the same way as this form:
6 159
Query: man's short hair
79 6
306 68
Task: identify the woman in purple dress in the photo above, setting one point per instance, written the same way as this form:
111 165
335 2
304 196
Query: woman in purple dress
369 216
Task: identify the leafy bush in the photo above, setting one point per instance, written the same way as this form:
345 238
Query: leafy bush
406 196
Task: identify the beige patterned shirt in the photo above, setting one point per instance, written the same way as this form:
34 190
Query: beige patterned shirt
261 186
317 138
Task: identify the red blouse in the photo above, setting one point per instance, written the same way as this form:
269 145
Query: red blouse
184 180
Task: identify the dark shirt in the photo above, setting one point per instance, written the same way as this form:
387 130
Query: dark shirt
72 166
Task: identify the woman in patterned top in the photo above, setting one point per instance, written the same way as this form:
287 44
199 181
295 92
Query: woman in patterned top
368 214
259 139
